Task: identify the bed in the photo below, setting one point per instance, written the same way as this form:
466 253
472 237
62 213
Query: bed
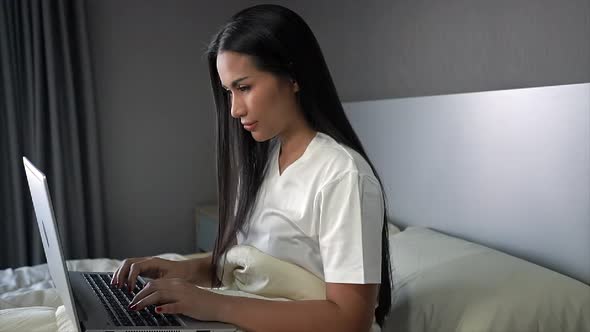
441 283
492 193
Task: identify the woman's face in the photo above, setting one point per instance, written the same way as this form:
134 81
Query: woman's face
265 103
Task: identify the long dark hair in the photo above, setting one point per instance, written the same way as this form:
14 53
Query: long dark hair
280 42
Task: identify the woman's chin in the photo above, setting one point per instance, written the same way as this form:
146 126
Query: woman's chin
258 137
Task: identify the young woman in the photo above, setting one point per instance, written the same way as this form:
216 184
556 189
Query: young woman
293 181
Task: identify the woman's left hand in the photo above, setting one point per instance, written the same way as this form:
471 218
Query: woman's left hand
178 296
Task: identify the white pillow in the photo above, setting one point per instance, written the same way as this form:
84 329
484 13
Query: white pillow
442 283
392 229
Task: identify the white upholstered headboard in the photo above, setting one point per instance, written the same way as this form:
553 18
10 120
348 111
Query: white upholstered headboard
508 169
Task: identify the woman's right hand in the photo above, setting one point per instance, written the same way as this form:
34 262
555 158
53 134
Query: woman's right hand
152 267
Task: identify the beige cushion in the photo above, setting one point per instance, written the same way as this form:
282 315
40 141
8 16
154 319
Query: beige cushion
250 270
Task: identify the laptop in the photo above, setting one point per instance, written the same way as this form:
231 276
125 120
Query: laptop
89 300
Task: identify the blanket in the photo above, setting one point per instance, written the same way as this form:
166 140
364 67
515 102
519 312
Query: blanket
248 271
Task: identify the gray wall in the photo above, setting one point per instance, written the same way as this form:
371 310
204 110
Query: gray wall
384 49
508 169
156 110
156 118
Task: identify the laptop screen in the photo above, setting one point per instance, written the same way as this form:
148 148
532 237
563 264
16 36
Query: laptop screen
50 237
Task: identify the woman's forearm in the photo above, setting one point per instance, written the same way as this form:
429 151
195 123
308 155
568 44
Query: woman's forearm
298 316
200 270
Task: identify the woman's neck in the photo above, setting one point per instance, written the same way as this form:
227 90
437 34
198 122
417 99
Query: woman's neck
295 142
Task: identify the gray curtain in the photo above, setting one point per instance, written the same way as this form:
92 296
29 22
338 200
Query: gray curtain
47 113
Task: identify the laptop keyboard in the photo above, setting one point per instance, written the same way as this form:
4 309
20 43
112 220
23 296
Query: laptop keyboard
115 302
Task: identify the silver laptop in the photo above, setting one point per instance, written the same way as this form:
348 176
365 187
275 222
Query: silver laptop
90 302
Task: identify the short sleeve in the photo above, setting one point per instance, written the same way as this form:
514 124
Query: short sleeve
350 225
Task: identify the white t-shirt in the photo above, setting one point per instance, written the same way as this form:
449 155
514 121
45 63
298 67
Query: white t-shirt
324 213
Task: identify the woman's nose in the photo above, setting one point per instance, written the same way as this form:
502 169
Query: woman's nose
237 107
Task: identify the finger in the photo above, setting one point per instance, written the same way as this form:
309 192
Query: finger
124 271
117 274
148 289
169 308
154 298
135 270
149 267
114 276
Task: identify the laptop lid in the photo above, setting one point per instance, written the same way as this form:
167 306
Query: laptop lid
50 238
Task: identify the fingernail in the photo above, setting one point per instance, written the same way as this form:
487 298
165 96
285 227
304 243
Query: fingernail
158 309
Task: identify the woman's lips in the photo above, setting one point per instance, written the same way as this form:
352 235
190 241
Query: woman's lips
251 126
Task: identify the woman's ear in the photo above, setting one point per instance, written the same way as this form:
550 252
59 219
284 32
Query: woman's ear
295 86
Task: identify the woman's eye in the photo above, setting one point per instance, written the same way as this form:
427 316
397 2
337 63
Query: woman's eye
244 88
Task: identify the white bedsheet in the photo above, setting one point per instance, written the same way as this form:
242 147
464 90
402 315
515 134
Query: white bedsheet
29 302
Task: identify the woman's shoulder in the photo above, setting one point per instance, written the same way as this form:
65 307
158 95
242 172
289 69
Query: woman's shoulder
337 159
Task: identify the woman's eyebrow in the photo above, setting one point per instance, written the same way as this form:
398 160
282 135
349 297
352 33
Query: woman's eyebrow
235 83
